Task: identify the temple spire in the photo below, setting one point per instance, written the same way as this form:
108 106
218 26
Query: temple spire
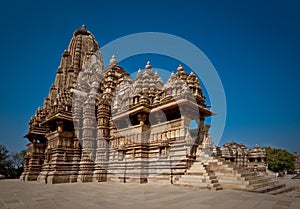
180 68
148 65
113 60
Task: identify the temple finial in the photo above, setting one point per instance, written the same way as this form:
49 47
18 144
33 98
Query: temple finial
180 68
83 27
113 60
148 65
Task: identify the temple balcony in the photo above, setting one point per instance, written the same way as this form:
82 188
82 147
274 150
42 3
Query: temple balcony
35 148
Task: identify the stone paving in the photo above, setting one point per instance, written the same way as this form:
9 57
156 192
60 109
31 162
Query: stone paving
34 195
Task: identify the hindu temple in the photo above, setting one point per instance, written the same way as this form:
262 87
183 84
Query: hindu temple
98 124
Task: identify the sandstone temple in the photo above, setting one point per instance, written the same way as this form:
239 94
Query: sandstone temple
98 124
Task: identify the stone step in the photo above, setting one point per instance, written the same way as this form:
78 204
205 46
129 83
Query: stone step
249 178
262 185
260 180
246 174
232 182
197 170
229 176
196 180
197 167
282 190
200 177
192 181
269 188
233 185
198 183
196 173
192 178
207 185
198 186
224 171
205 176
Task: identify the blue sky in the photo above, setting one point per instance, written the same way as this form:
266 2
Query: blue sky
254 46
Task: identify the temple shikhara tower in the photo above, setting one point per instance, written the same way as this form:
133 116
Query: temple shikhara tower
99 124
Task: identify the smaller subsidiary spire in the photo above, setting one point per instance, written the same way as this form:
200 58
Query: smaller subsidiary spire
139 74
180 68
113 60
148 65
66 53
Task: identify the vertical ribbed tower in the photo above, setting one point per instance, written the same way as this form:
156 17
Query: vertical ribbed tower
54 150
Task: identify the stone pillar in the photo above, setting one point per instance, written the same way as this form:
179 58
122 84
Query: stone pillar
77 115
88 141
102 142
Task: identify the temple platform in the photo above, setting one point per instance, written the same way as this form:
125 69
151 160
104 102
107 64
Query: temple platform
19 194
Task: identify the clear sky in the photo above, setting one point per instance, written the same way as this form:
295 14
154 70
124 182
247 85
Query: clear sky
254 46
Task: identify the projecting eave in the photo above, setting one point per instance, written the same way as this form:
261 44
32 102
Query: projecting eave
35 132
140 109
187 104
58 116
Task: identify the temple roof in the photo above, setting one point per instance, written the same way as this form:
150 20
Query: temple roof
82 65
82 43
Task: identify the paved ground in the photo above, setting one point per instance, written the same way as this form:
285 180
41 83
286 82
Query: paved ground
33 195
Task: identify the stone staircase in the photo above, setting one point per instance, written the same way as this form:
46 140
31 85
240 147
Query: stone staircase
198 176
215 173
241 178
